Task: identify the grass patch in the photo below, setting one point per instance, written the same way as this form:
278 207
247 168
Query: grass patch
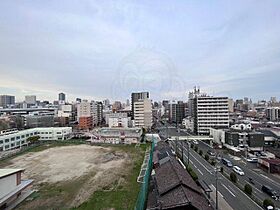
123 196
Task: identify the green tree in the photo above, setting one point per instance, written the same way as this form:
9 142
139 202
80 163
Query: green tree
33 139
206 157
144 131
196 148
222 170
248 189
213 162
267 202
233 177
200 152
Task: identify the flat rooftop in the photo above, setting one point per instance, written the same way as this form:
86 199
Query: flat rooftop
8 171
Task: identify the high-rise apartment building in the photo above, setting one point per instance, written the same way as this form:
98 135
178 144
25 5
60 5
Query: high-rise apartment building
209 112
273 113
135 97
6 100
92 109
143 113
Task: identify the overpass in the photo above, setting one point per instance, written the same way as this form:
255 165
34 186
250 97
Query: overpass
191 137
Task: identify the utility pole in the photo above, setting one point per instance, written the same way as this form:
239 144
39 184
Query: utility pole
216 179
188 153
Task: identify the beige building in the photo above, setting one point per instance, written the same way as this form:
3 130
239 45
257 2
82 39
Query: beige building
143 113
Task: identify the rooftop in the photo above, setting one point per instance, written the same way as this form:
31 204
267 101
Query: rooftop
9 171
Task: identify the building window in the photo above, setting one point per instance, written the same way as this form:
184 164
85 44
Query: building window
13 139
18 137
7 140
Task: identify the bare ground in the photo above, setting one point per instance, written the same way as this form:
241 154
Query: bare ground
67 176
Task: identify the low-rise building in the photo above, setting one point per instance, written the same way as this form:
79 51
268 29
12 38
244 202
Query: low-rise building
13 189
13 139
117 135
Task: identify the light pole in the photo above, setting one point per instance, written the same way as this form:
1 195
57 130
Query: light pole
217 169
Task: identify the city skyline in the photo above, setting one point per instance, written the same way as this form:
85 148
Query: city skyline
110 49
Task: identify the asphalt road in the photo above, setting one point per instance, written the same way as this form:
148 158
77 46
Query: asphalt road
259 177
203 168
232 194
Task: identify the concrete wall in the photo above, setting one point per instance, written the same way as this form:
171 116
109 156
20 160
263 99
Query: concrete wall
7 184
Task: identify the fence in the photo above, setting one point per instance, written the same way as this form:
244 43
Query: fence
142 196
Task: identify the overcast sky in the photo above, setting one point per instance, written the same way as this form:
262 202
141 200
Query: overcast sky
108 49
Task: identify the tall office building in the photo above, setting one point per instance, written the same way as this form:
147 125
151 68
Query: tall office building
143 113
99 112
135 97
210 111
172 111
30 99
6 100
176 111
61 97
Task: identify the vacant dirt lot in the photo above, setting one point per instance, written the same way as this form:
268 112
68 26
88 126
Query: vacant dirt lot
67 176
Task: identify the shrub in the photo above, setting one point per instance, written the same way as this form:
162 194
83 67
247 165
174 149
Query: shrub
195 148
213 162
233 177
200 152
206 157
248 189
192 173
267 202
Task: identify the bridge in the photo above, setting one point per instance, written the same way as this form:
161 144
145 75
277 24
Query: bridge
191 137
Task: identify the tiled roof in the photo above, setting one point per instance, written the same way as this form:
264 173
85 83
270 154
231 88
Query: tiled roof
173 188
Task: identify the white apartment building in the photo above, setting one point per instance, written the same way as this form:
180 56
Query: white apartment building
12 139
64 110
122 122
273 113
92 109
143 113
84 109
210 112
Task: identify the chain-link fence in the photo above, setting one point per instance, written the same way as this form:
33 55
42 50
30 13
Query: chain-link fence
143 193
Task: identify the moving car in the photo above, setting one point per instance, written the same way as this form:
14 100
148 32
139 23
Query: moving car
268 190
226 162
238 170
211 153
195 141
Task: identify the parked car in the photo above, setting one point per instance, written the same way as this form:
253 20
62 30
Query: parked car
238 170
268 190
211 153
226 162
252 160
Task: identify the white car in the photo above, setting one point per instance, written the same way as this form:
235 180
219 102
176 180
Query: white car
238 170
195 141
